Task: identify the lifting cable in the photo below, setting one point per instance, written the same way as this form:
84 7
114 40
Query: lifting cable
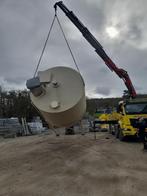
48 35
68 44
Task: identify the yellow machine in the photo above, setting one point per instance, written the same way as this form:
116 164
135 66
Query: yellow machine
128 115
104 117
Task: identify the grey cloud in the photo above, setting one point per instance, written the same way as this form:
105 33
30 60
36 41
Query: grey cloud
102 90
89 11
135 31
24 27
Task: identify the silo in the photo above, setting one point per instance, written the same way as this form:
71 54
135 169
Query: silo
59 94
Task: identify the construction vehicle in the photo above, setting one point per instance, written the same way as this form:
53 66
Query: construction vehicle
128 111
103 115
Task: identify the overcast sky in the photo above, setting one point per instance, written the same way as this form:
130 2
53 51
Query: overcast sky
120 27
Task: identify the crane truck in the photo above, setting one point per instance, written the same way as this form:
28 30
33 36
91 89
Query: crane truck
129 111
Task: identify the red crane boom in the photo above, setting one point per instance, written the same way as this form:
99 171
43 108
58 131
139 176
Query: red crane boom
98 48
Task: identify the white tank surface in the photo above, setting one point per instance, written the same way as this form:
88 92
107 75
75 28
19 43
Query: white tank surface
59 94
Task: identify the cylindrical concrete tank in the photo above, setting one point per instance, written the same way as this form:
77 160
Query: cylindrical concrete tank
60 97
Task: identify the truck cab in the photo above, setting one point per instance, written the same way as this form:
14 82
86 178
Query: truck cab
130 112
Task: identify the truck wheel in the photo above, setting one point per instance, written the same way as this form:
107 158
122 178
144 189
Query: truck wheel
69 131
110 129
121 136
117 131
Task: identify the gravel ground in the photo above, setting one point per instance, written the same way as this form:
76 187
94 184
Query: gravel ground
46 165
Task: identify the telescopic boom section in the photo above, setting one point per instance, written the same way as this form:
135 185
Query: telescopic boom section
98 48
